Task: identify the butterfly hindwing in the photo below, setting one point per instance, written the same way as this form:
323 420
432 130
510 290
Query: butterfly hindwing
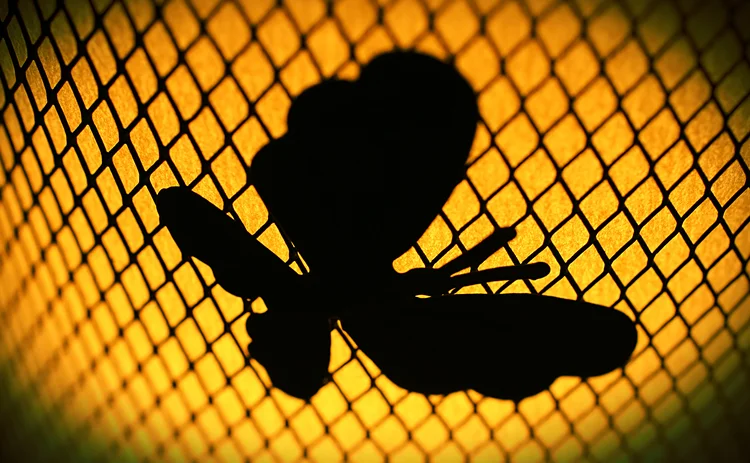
504 346
292 345
294 349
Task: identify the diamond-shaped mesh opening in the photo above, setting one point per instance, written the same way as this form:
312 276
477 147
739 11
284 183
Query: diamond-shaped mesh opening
614 138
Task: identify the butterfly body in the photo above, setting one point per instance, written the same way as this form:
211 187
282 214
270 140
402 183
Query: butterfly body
361 173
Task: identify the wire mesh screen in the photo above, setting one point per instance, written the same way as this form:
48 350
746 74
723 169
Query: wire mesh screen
613 138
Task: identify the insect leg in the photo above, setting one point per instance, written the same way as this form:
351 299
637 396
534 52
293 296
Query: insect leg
517 272
432 282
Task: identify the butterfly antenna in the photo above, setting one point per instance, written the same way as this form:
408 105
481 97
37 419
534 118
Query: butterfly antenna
481 252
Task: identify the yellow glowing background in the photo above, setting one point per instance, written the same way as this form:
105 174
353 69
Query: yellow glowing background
614 138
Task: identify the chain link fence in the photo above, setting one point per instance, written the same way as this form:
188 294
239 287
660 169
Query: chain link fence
614 137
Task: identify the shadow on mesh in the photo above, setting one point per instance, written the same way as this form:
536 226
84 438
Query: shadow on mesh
412 120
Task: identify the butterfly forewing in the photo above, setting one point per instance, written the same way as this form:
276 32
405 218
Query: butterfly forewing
366 165
241 264
503 346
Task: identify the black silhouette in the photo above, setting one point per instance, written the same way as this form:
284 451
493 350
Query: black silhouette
363 170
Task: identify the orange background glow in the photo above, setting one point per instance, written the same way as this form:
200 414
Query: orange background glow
614 138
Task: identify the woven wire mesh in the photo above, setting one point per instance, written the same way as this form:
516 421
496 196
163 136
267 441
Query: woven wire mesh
613 137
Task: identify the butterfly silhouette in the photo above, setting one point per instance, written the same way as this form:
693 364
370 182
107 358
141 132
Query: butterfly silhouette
364 168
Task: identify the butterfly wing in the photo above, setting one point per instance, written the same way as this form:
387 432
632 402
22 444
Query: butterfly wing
503 346
366 165
241 264
294 349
